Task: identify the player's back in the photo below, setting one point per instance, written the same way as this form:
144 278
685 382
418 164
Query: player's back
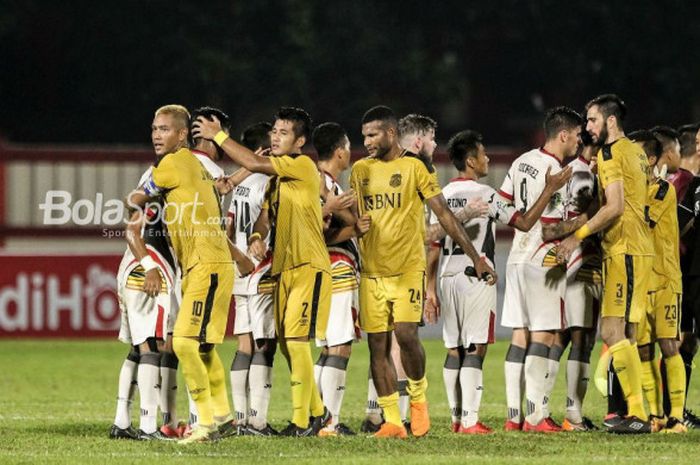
664 231
523 185
625 161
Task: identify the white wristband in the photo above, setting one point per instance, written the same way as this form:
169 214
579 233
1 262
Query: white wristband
148 263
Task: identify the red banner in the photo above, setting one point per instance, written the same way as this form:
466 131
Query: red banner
59 296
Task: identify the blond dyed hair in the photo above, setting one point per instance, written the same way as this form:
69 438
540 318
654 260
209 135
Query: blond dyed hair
179 113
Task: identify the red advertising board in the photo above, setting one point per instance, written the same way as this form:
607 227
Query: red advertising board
59 296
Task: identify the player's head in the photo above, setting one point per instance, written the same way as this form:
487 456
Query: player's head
648 141
467 153
587 148
604 114
257 136
562 126
331 142
290 132
671 156
417 134
686 138
170 129
379 130
207 145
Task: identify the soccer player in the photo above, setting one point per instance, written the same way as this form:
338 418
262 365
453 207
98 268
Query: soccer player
535 285
623 172
333 147
689 159
662 317
254 323
467 303
583 290
690 262
300 260
392 185
195 229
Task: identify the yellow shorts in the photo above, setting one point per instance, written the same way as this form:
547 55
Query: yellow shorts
302 302
663 316
625 286
206 296
388 300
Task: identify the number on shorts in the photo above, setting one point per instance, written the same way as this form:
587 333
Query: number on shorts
415 296
671 312
197 308
304 311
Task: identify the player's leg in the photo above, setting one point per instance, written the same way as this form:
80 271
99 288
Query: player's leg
535 372
240 366
650 374
127 385
690 327
513 316
452 331
472 386
148 379
401 381
561 340
318 368
168 390
577 378
373 413
260 375
450 376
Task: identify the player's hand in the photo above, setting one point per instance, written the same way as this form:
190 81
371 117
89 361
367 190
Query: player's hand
335 203
431 308
261 152
566 248
257 249
475 208
206 128
554 182
485 272
153 282
224 185
363 224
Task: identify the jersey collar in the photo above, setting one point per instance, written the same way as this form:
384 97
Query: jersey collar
199 152
460 178
587 162
330 176
551 155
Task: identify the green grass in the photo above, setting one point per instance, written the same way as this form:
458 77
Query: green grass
58 400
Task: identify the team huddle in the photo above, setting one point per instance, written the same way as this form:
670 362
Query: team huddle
597 244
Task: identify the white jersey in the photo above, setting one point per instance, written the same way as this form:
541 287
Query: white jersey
481 231
246 205
215 170
523 185
346 251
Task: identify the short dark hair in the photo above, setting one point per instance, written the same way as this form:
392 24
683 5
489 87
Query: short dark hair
665 134
256 136
610 104
560 119
208 112
416 124
301 121
686 137
462 145
380 113
650 143
327 137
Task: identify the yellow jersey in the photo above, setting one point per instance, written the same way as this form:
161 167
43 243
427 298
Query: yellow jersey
293 199
625 161
392 194
192 212
664 231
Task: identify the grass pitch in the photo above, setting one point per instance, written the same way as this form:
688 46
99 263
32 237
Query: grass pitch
58 400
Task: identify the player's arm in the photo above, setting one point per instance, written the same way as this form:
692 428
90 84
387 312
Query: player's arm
135 204
613 209
243 262
553 182
211 130
257 247
431 306
474 208
456 231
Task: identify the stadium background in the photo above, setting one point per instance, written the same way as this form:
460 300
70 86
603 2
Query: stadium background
81 82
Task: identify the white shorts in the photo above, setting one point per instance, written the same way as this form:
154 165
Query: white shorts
534 297
342 320
254 314
146 317
582 304
469 310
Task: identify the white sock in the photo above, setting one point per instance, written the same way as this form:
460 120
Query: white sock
373 411
471 379
536 369
553 370
451 377
260 388
239 385
515 361
125 391
577 375
404 399
148 379
318 371
333 385
194 415
168 388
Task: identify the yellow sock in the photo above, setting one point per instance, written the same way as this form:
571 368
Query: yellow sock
302 381
217 383
417 388
651 386
316 401
195 373
628 369
390 406
675 378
